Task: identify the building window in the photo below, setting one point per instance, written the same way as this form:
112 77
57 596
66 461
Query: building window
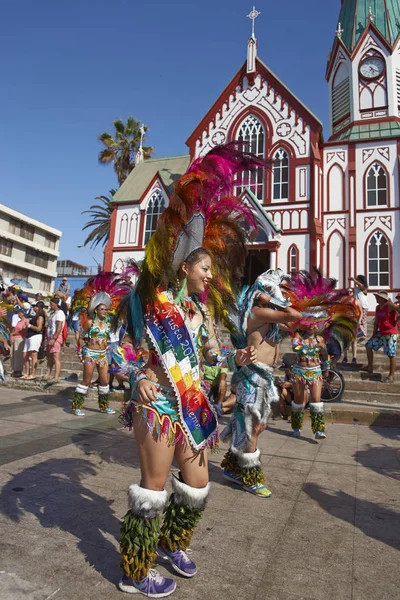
5 247
378 261
293 259
45 284
377 189
34 257
22 229
50 241
10 271
251 131
281 175
155 208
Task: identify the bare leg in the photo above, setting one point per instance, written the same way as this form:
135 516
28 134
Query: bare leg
57 364
103 375
193 466
392 366
87 373
370 357
155 456
221 388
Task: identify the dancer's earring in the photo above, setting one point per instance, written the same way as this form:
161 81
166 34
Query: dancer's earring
181 292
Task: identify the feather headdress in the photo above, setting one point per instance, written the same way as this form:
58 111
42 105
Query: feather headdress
325 307
203 214
105 288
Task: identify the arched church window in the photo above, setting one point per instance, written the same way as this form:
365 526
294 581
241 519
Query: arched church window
293 259
252 132
155 207
377 188
281 175
378 260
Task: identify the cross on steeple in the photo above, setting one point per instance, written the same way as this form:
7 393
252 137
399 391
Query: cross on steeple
253 16
371 16
339 31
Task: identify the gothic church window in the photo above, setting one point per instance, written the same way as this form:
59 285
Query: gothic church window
281 175
377 188
378 260
293 259
252 132
155 207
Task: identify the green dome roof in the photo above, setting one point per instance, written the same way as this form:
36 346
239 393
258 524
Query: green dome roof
354 18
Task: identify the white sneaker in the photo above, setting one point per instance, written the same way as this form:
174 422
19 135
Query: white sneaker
320 435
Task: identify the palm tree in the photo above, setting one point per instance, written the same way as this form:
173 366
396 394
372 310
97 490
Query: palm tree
100 220
122 148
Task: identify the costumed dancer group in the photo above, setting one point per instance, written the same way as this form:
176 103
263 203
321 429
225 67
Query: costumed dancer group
190 277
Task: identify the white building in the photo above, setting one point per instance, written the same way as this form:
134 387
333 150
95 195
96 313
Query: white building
334 204
28 250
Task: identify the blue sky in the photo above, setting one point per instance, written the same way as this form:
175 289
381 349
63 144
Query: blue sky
69 69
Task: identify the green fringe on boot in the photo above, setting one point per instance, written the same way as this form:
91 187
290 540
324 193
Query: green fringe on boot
229 463
317 422
138 545
103 402
77 400
253 476
178 526
297 419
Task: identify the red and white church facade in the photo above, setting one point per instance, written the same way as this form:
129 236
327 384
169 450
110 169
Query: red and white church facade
333 204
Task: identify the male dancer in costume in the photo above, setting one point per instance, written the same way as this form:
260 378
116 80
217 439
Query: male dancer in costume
263 309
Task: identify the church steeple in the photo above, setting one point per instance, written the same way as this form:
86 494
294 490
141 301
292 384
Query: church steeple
252 43
356 15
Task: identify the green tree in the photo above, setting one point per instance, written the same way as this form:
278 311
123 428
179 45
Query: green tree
121 148
100 220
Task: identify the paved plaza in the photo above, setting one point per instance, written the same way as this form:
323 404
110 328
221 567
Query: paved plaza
331 530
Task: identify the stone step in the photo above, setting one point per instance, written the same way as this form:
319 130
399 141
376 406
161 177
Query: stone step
371 397
374 386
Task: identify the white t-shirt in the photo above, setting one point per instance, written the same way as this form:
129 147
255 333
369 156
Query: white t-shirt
14 320
361 297
53 320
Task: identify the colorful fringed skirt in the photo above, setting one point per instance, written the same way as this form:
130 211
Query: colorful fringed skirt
94 357
161 416
306 375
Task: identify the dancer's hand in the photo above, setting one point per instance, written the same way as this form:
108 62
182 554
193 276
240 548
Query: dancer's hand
246 356
146 391
263 299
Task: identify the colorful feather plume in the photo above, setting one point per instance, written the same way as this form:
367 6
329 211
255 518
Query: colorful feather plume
331 310
105 288
203 213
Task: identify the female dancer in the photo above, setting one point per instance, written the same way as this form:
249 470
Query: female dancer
95 304
311 360
199 247
327 313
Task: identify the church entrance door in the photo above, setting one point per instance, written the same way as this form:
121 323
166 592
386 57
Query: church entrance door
257 262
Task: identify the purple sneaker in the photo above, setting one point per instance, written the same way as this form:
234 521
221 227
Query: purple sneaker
154 585
179 560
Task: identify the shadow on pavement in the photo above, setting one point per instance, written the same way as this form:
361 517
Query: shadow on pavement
116 447
54 493
382 460
374 520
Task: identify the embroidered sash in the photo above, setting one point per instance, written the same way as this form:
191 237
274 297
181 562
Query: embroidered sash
177 353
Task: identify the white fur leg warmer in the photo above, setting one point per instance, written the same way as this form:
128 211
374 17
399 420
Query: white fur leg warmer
146 503
316 407
248 460
81 389
296 408
189 496
104 389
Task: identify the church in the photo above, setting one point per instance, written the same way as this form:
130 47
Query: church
331 203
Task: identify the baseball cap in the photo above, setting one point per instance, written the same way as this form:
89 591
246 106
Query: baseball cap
40 304
56 300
